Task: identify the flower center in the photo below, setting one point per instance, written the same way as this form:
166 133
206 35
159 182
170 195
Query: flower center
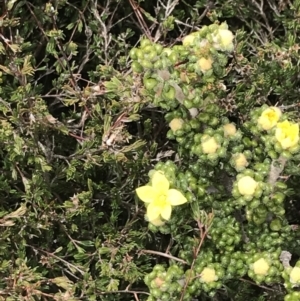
161 200
272 115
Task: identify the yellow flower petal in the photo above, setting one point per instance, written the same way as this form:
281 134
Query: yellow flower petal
189 39
295 275
223 39
287 134
153 212
269 118
166 212
146 193
156 222
160 183
226 37
175 197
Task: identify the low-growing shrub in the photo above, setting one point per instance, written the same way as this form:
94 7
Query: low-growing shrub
149 151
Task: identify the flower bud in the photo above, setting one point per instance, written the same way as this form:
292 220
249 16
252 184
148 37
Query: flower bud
209 144
261 267
240 161
247 186
176 124
204 64
189 39
208 275
269 118
229 129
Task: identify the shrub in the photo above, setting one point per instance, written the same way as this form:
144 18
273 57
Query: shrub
206 99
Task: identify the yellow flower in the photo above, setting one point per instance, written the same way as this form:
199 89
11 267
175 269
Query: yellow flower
176 124
156 222
295 275
269 118
208 275
209 144
261 267
204 64
287 134
229 129
189 39
159 197
223 39
247 185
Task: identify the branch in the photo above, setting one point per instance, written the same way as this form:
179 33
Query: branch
164 255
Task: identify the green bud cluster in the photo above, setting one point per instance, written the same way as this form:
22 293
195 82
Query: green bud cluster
185 74
291 276
293 296
147 56
169 284
268 143
251 190
208 278
188 132
265 267
259 198
165 284
207 274
226 233
187 252
234 263
191 185
212 144
268 237
209 136
221 208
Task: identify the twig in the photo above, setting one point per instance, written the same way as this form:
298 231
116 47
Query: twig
105 31
137 10
277 167
274 8
208 7
169 7
186 24
203 234
68 264
164 255
253 283
136 297
260 10
125 292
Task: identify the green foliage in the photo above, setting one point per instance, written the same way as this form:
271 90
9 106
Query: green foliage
89 92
